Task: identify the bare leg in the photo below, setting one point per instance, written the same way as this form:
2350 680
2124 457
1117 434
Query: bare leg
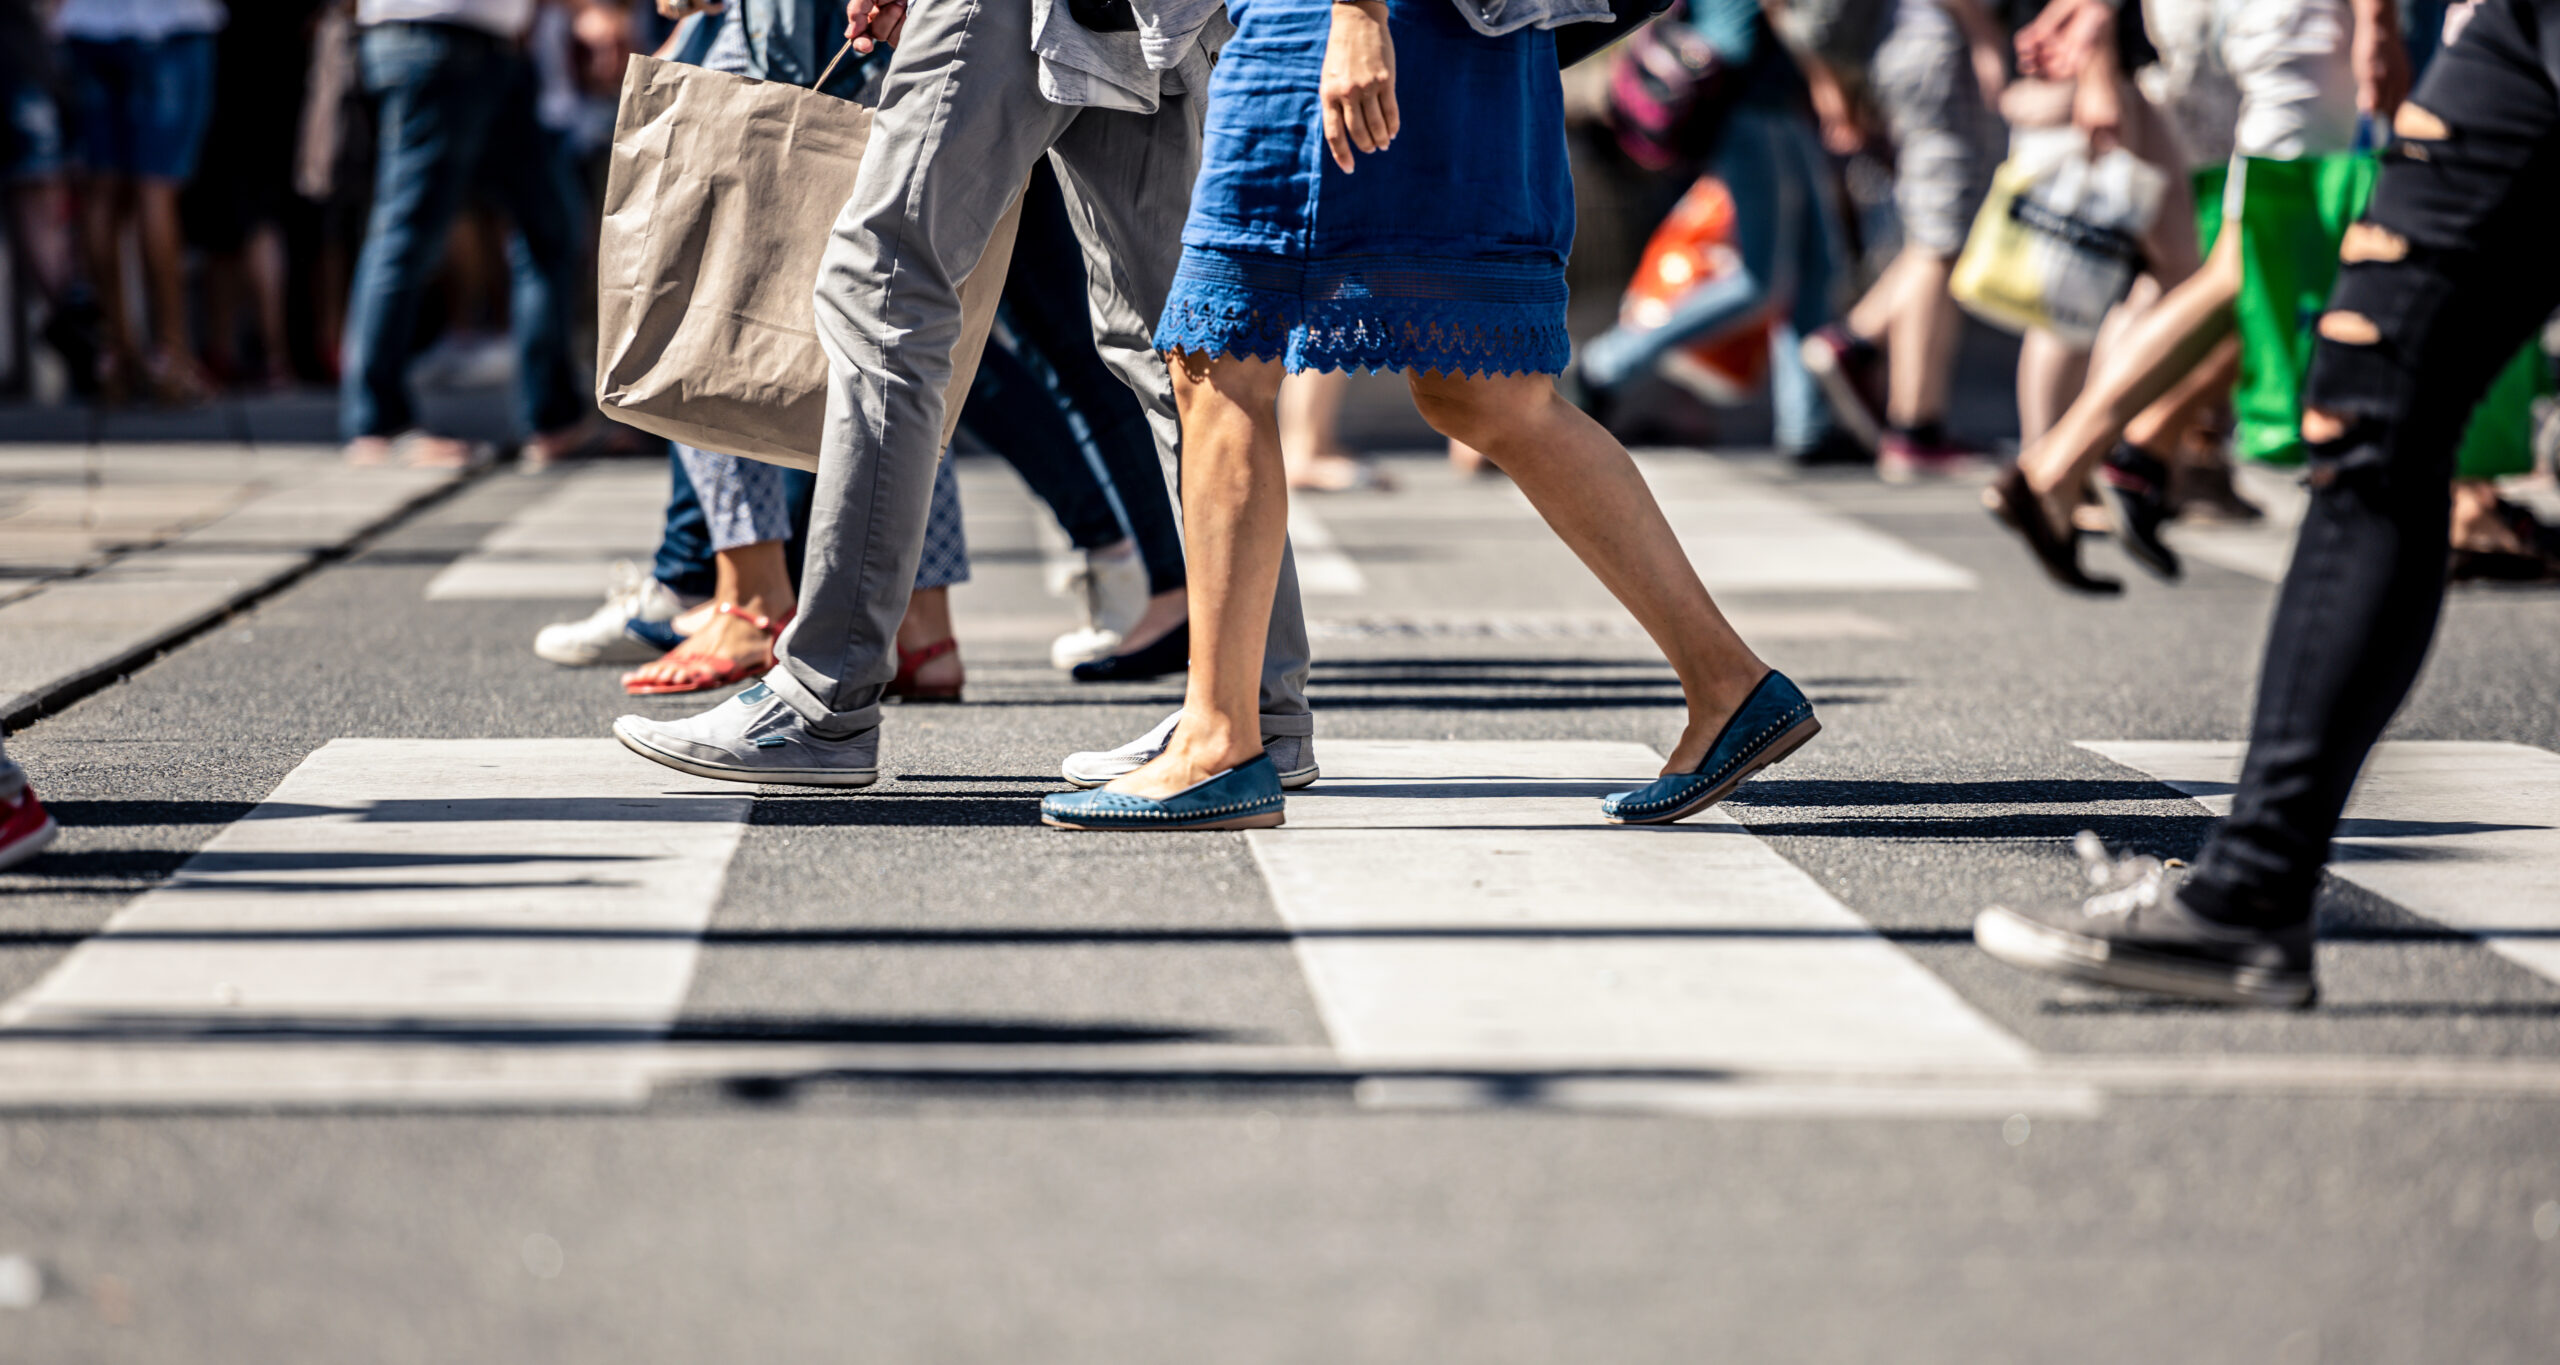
1164 612
164 273
2174 338
1311 432
1871 318
756 580
1922 340
1591 493
1235 519
2050 372
265 261
928 622
2163 427
102 202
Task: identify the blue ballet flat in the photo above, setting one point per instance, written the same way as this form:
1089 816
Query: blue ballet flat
1246 796
1775 721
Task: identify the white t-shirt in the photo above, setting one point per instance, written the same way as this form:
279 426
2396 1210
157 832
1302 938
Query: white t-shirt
506 18
149 19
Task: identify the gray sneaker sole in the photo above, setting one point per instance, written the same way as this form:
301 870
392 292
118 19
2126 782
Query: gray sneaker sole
2021 942
780 777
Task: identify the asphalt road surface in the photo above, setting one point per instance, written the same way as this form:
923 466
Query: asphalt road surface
375 1006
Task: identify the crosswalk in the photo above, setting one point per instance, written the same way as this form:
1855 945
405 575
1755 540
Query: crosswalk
564 544
516 922
495 922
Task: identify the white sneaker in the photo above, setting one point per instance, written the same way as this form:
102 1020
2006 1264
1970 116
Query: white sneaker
1113 591
606 636
1293 755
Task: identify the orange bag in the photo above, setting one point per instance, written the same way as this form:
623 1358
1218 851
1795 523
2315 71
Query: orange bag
1694 247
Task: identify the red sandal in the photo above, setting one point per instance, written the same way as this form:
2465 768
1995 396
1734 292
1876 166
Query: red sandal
710 672
910 660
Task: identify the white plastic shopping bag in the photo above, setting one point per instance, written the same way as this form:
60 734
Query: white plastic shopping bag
2058 241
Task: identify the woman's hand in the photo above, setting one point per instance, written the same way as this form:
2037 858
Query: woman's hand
873 22
1359 90
680 9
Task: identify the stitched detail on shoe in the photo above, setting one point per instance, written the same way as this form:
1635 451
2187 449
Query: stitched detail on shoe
1068 806
1786 720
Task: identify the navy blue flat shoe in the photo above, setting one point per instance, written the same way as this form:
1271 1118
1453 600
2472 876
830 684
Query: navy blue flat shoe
1246 796
1774 721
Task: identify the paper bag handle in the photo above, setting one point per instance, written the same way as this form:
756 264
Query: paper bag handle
831 66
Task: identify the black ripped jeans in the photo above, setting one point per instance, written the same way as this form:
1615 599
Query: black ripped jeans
2455 265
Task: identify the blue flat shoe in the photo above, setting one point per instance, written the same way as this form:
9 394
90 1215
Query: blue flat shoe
1774 721
1246 796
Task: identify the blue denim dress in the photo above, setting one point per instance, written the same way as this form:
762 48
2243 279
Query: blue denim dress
1445 252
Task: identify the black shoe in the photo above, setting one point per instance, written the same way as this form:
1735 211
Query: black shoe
1169 654
2058 552
72 332
2136 933
1836 447
2136 487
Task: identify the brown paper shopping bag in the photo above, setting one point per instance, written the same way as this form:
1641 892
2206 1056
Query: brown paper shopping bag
718 204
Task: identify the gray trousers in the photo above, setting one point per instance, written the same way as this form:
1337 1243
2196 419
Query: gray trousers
960 123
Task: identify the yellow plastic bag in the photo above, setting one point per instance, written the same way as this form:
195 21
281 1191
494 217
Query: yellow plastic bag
2057 243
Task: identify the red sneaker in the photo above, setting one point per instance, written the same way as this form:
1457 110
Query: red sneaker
24 828
1900 459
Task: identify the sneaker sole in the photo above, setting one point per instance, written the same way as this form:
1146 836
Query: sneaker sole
1298 780
2021 942
1775 754
31 845
1267 820
780 777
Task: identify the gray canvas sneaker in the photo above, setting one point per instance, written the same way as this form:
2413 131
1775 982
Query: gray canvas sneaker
754 737
2136 933
1293 755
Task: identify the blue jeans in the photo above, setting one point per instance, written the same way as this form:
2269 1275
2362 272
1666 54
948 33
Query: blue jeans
1788 236
456 107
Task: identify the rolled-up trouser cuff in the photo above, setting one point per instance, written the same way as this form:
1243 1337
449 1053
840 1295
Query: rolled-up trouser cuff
1299 726
831 724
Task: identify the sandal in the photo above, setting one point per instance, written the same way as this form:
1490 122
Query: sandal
910 661
711 672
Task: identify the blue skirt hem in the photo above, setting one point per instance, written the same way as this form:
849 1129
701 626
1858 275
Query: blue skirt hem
1478 316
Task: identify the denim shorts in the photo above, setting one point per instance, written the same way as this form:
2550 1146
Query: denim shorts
139 106
30 133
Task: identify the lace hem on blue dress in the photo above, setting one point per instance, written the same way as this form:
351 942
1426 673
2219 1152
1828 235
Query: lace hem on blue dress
1370 312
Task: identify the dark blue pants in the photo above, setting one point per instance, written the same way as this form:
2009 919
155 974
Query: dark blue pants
456 108
1104 477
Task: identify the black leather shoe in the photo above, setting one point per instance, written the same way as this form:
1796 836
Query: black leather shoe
2058 552
1170 654
2136 486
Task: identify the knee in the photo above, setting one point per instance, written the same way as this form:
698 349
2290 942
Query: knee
1477 411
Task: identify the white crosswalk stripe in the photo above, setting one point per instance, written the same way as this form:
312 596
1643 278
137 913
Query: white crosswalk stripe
1459 904
404 921
2466 834
564 544
1747 535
